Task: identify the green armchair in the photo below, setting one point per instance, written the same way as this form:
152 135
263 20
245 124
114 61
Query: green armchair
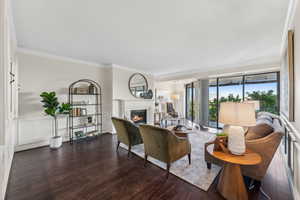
127 133
163 145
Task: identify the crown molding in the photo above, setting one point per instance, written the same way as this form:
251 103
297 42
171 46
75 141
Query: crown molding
224 70
56 57
131 69
289 24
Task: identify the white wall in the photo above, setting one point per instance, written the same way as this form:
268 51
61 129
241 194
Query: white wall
297 99
297 67
168 88
8 91
293 23
40 72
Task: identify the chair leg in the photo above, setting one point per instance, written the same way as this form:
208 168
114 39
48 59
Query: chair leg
118 144
146 157
129 150
168 169
208 165
189 156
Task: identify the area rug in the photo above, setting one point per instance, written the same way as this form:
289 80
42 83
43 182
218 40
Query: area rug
197 173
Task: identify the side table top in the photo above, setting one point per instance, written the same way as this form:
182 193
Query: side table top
249 158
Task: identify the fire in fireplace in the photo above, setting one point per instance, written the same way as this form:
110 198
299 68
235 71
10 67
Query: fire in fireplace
138 116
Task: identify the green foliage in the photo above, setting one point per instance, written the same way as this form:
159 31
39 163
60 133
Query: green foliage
193 109
51 104
222 134
268 102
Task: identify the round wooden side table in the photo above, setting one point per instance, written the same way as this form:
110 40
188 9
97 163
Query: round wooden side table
231 183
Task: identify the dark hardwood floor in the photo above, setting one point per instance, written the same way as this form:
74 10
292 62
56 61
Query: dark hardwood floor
95 171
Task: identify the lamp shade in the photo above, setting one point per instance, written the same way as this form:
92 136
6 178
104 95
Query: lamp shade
255 102
237 114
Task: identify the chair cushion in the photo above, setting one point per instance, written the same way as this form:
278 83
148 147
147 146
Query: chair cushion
259 131
265 117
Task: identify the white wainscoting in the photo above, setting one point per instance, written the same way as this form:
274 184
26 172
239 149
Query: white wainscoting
292 156
36 131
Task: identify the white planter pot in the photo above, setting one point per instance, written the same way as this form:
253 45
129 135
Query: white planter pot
56 142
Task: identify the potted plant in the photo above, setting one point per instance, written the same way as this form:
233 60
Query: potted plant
53 108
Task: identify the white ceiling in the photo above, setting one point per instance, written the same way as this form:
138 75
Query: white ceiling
155 36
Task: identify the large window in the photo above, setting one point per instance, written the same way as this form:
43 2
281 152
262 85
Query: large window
261 87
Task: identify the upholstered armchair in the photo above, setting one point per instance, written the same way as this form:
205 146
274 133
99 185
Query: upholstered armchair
127 133
163 145
264 138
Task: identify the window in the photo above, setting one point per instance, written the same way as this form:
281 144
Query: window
213 103
263 87
189 101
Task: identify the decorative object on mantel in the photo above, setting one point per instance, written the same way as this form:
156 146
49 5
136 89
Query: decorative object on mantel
53 108
85 120
236 116
147 95
138 86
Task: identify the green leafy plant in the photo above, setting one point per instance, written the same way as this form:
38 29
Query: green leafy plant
53 107
222 134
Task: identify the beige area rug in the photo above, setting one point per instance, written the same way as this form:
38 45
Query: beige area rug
197 173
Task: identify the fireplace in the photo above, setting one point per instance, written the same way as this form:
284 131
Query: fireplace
138 116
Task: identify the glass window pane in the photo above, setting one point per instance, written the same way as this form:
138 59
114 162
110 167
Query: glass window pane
213 103
189 96
230 89
263 87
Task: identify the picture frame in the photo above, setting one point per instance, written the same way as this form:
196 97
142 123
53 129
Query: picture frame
288 80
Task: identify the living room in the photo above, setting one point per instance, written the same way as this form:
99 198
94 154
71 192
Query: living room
149 100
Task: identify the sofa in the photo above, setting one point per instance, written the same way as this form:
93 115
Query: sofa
263 138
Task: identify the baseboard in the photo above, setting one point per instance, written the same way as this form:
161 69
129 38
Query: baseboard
42 143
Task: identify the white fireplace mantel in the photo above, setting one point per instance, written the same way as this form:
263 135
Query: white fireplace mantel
122 107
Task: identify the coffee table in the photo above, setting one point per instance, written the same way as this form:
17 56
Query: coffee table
231 183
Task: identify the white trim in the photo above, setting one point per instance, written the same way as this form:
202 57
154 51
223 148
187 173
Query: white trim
52 56
2 71
289 24
13 35
221 71
294 133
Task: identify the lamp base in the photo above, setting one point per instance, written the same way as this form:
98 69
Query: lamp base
236 140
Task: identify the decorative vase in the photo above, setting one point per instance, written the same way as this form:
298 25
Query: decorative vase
56 141
236 140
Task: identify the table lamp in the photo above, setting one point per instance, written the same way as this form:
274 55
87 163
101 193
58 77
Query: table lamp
256 105
236 116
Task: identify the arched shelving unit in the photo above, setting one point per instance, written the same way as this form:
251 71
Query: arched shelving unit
85 118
